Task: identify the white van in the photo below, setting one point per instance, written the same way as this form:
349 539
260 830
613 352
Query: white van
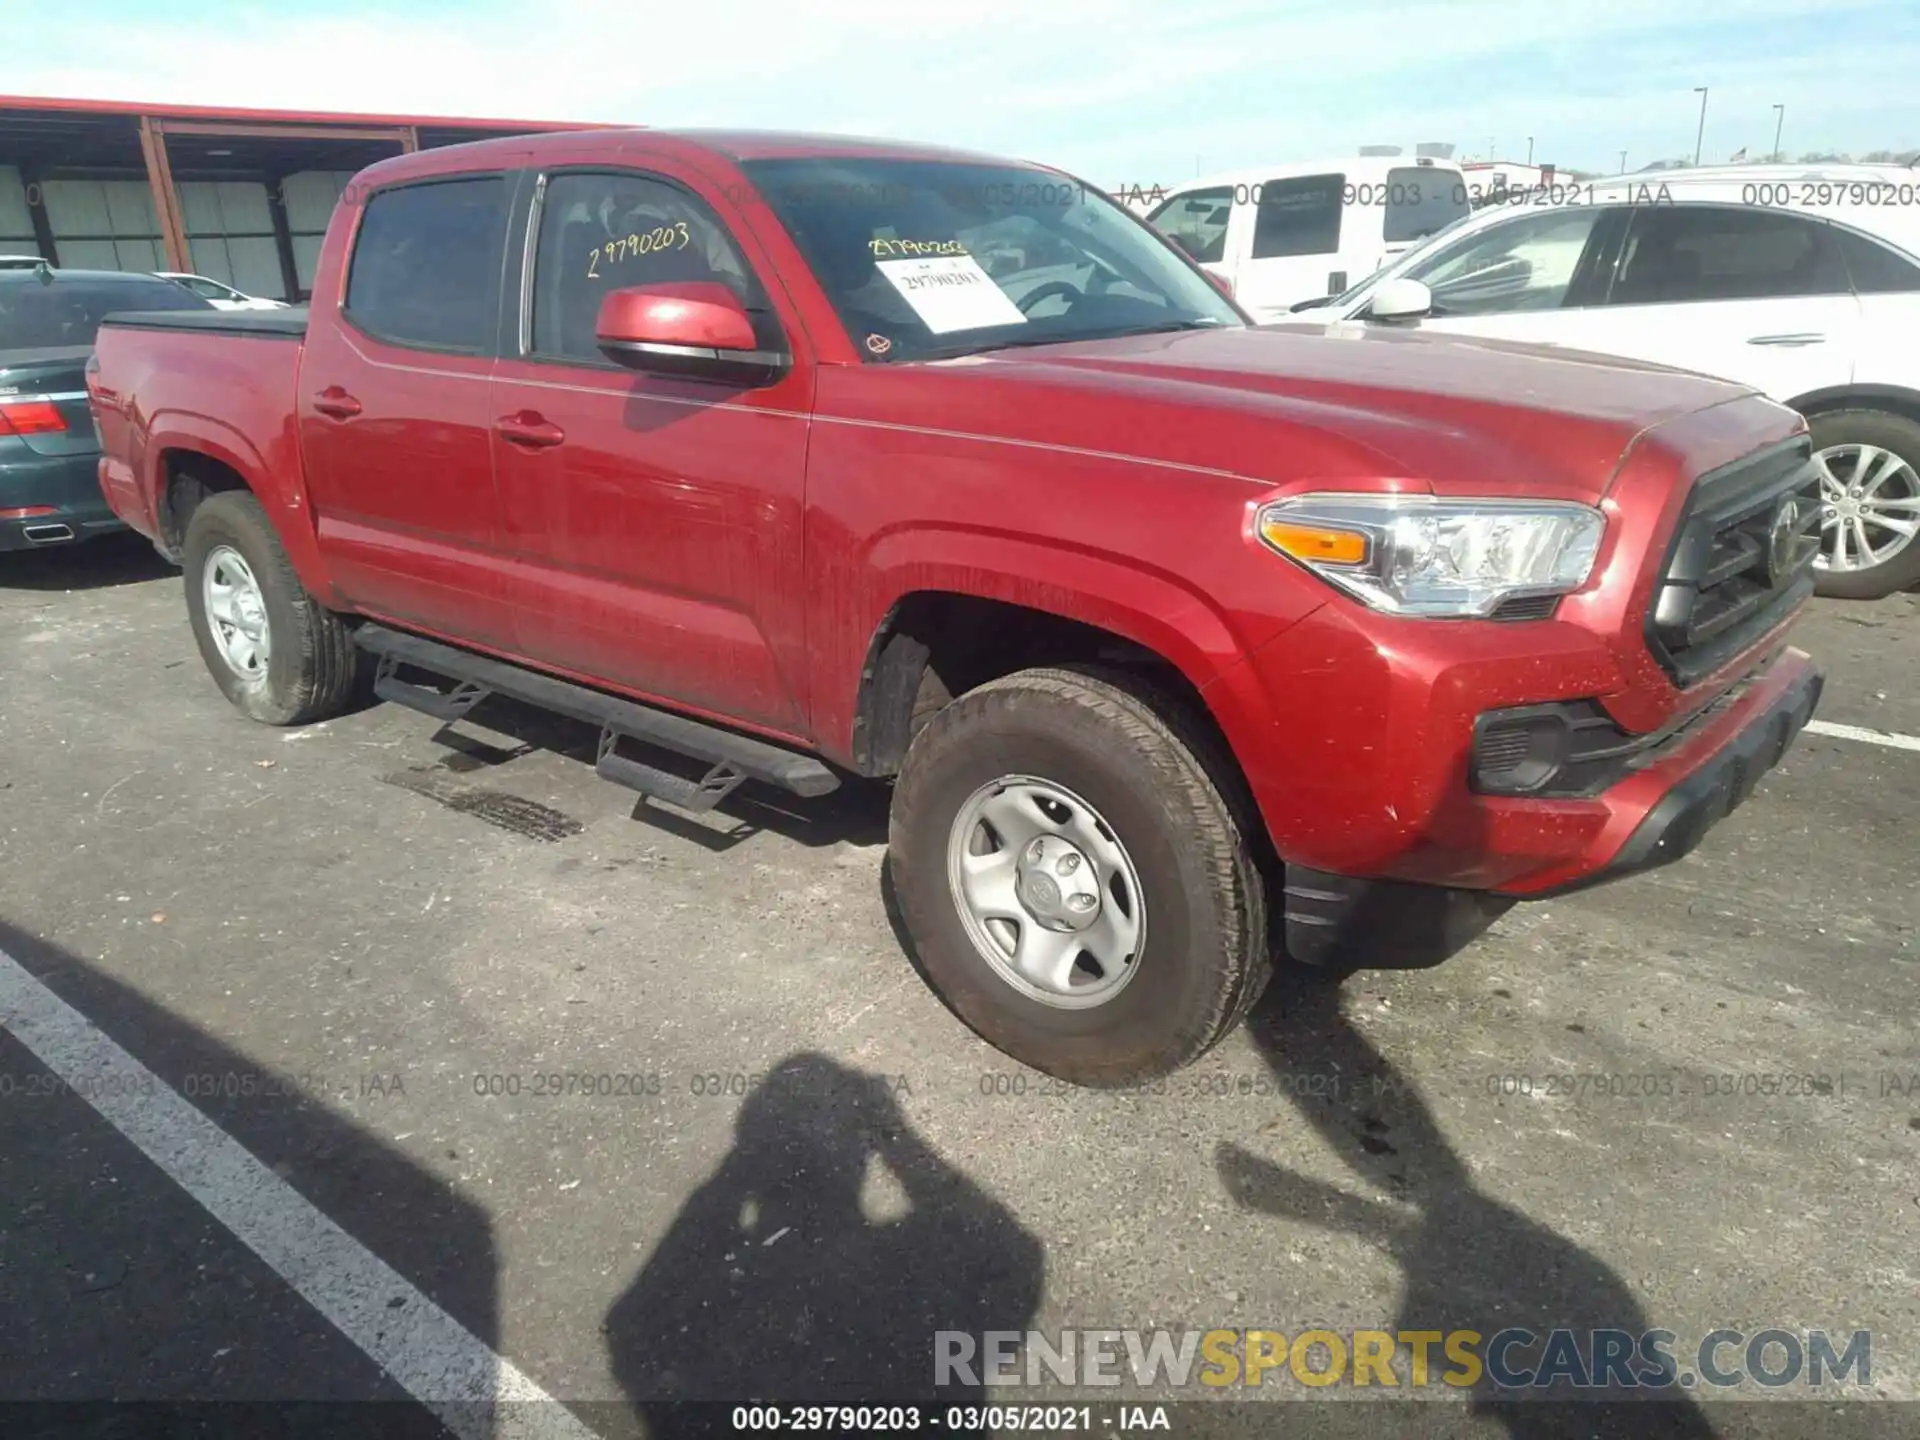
1284 233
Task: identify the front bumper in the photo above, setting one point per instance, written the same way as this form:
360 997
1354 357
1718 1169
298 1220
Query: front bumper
1356 735
1707 795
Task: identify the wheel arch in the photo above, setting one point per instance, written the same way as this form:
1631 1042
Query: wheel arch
934 644
1894 399
193 456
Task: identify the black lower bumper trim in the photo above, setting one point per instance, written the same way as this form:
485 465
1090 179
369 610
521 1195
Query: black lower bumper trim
1681 817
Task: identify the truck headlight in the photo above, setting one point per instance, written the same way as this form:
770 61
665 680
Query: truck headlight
1420 555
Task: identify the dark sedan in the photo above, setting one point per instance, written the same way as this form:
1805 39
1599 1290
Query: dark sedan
49 453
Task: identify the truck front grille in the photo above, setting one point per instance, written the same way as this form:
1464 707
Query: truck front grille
1741 561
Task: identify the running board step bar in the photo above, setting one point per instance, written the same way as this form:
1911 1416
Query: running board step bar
732 757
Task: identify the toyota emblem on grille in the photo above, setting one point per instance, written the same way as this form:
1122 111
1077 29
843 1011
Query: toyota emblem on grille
1784 551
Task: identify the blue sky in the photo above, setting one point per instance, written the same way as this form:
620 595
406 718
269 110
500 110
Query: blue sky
1118 91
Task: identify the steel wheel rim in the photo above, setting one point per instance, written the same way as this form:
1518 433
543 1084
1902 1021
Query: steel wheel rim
1048 895
1869 507
236 613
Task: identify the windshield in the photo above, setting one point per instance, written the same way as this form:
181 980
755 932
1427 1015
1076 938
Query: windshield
929 259
43 315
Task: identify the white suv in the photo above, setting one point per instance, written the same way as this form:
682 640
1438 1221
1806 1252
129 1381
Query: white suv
1803 283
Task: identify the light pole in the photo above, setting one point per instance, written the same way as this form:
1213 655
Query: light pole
1780 118
1529 150
1623 162
1701 91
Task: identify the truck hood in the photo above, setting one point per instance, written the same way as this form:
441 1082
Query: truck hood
1450 413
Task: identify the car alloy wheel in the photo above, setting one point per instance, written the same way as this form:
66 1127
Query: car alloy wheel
1870 506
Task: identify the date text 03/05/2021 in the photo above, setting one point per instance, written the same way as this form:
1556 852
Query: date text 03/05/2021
951 1419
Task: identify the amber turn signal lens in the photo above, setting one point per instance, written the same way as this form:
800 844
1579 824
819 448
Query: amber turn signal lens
1315 542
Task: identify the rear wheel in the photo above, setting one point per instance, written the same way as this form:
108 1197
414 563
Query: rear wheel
1869 463
1077 888
274 651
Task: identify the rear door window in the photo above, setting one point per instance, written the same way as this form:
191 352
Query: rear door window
426 264
1680 253
1298 217
1197 223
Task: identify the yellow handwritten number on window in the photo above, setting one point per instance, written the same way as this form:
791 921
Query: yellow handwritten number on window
662 237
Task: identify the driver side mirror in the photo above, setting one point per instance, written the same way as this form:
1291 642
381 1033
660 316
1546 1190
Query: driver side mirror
1400 299
697 329
1219 282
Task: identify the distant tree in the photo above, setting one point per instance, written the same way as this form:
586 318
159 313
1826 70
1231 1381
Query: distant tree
1825 157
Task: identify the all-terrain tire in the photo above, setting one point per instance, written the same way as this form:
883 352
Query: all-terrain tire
312 667
1149 770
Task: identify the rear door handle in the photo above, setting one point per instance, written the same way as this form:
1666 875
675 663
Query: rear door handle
336 402
529 427
1808 338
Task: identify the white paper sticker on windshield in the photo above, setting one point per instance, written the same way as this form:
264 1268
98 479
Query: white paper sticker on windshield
951 292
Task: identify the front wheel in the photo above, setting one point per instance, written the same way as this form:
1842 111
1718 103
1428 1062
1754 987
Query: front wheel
274 651
1077 888
1869 464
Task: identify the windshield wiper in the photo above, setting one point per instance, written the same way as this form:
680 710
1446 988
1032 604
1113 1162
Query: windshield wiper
1028 342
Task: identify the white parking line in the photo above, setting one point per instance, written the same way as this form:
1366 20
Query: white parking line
475 1393
1863 734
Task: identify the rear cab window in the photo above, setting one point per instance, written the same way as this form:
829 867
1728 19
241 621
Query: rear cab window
426 264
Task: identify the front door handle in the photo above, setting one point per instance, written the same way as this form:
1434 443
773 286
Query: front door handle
529 427
336 402
1807 338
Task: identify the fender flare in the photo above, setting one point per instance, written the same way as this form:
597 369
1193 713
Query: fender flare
1107 592
274 480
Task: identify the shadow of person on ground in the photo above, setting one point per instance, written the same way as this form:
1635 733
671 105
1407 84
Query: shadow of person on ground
1469 1261
818 1263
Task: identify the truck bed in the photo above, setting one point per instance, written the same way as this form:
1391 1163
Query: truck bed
289 324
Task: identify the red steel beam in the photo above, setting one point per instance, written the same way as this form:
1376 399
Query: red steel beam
166 200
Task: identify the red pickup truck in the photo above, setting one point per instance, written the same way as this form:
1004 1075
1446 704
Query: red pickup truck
1187 643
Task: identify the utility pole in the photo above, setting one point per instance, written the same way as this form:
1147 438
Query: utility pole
1623 162
1529 150
1701 91
1780 118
